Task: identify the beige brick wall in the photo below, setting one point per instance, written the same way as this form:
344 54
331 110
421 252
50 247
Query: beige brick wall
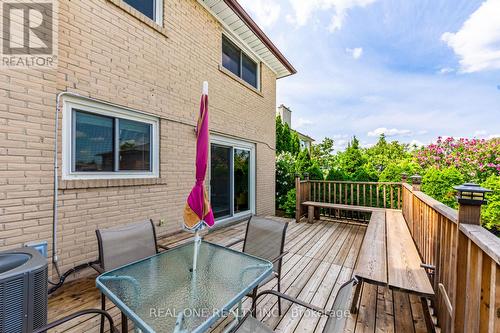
109 54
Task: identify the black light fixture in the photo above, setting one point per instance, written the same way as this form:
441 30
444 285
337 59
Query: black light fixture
471 194
404 177
416 179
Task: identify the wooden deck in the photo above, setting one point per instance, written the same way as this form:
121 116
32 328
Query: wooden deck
321 257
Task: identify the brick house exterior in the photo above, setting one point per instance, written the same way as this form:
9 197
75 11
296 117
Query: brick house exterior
110 52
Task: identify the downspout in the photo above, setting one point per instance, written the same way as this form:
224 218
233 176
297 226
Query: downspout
55 207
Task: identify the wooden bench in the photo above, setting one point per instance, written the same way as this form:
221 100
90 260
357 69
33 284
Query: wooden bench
389 257
313 209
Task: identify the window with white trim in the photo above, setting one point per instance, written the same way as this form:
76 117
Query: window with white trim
150 8
239 63
106 141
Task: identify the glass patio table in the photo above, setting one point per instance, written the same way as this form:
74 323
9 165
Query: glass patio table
156 292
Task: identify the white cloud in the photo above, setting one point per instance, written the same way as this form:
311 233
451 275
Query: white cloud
302 122
417 143
480 133
446 70
477 43
389 132
304 10
356 52
483 134
265 12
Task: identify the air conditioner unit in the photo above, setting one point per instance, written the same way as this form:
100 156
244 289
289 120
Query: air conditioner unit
23 290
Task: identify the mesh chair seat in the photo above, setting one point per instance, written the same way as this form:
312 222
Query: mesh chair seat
123 245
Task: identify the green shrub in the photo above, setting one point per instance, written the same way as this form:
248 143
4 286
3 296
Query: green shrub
438 183
285 176
366 173
490 213
289 203
336 174
304 161
392 173
315 172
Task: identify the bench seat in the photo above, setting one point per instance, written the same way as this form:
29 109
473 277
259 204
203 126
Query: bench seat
403 261
372 263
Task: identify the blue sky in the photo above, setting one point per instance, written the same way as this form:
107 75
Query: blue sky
413 70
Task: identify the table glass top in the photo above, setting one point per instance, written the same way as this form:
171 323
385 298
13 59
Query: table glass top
154 291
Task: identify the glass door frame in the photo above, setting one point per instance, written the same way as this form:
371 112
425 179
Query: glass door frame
241 145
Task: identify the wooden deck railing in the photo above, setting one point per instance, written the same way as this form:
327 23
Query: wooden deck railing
466 256
367 194
467 261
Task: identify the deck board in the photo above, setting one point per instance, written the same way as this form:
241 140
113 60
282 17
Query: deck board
321 257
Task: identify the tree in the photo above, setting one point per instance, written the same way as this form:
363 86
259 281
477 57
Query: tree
336 174
323 154
285 176
394 170
294 143
491 212
303 161
279 135
287 139
351 159
383 153
438 183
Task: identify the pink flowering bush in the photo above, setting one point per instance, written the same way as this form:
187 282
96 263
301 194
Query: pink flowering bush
477 159
452 161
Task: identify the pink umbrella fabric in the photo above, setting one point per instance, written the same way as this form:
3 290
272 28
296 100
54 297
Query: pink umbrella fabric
198 209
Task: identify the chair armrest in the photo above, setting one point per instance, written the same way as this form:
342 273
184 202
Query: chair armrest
98 268
293 300
279 257
235 242
76 315
162 247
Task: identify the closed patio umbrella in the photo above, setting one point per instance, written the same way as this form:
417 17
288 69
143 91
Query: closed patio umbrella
198 212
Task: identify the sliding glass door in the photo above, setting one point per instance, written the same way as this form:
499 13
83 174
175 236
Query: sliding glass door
220 181
241 172
231 179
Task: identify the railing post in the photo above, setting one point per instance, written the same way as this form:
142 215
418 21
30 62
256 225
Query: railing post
416 181
470 199
404 177
297 198
306 178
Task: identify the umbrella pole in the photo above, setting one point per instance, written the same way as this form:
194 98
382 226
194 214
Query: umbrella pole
197 240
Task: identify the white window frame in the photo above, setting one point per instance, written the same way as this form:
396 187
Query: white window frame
158 11
247 52
235 144
109 110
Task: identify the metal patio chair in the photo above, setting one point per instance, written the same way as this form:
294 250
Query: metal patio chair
265 238
335 323
75 315
122 245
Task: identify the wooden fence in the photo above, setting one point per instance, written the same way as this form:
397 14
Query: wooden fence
467 261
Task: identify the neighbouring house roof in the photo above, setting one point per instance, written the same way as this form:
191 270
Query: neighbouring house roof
234 18
304 137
